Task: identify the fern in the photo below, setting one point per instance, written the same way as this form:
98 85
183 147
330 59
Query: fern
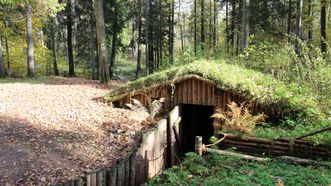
237 119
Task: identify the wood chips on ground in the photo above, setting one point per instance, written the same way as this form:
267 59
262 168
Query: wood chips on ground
57 129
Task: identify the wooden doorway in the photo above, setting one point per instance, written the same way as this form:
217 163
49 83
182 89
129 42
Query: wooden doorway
196 121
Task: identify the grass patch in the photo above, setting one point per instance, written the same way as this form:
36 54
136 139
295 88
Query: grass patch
214 169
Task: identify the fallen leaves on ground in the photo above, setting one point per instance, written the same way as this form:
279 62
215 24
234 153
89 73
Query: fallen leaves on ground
58 129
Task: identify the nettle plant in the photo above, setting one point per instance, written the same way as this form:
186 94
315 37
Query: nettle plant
237 119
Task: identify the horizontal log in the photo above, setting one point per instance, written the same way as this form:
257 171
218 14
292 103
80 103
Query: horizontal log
256 145
281 144
255 150
233 154
276 151
300 161
312 148
246 138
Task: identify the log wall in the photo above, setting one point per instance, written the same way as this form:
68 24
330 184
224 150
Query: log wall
277 147
195 91
156 152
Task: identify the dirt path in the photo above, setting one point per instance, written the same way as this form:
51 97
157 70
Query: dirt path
55 129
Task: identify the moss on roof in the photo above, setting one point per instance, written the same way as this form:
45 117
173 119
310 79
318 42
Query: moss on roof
249 83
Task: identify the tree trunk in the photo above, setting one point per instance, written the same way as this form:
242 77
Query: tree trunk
7 50
311 21
245 25
147 36
323 27
102 47
180 25
159 36
227 25
298 26
139 40
134 32
210 24
97 64
151 44
30 52
171 32
2 66
69 39
54 50
289 18
195 27
239 27
184 28
114 45
215 24
233 23
203 39
93 48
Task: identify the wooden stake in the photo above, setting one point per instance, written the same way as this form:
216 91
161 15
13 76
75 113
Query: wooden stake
198 145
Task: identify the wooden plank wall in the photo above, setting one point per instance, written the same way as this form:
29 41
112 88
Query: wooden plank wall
197 92
144 163
189 91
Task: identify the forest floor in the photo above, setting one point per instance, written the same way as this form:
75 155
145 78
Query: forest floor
55 129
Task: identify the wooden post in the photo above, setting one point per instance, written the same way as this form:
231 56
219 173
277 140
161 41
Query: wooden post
198 145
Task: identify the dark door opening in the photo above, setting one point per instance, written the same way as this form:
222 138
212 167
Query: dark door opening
196 121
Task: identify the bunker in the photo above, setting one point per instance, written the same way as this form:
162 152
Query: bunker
197 99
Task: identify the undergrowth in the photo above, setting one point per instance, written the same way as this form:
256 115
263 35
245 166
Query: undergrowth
214 169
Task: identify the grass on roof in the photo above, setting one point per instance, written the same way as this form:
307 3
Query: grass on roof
251 84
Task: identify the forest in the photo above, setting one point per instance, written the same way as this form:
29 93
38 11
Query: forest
145 36
65 65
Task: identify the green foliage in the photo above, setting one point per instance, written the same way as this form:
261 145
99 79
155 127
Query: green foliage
278 58
187 56
214 169
297 127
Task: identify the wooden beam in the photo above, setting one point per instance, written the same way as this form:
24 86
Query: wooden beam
233 154
315 132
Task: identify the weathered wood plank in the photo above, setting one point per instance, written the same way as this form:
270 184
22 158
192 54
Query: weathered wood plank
101 181
198 91
88 180
94 179
189 92
204 99
138 173
173 115
120 174
112 177
213 96
184 92
127 172
132 175
194 94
